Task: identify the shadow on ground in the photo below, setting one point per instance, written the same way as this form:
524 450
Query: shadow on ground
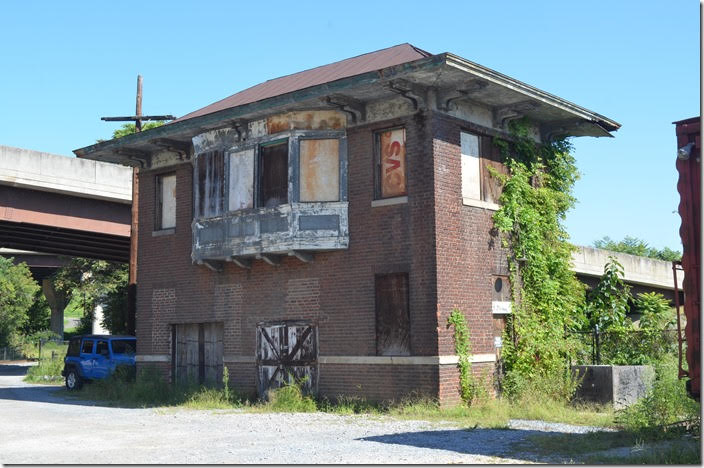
505 443
12 387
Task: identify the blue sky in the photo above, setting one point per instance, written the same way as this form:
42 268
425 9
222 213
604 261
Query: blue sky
66 64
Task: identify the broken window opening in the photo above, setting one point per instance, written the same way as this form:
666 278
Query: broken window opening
273 174
392 315
390 163
319 170
166 201
211 183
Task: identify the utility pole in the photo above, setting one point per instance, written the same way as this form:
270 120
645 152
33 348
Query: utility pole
132 281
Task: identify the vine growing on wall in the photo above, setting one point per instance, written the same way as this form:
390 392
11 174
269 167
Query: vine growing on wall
463 349
547 297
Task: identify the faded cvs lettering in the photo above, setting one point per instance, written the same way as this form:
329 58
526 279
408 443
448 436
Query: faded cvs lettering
393 163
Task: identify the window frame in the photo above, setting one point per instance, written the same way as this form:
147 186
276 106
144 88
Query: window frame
256 143
258 171
158 208
197 161
377 162
484 145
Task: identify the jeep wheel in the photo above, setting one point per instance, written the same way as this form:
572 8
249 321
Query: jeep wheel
73 381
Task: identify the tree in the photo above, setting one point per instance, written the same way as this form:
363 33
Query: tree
17 290
607 303
38 315
94 282
636 246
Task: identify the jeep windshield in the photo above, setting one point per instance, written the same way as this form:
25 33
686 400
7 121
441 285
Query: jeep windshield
123 346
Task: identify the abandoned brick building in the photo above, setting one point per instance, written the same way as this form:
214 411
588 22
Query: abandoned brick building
325 224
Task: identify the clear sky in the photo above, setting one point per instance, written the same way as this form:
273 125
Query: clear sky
63 65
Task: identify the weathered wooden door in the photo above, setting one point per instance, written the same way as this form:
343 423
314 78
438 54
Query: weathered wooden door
287 352
198 353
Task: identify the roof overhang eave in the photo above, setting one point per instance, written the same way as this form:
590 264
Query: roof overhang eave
604 124
220 118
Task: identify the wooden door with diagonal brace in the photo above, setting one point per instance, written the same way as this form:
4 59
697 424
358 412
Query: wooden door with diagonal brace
287 352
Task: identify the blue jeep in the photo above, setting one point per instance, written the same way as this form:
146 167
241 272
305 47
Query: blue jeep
94 357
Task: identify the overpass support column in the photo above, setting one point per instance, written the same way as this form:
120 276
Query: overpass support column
57 304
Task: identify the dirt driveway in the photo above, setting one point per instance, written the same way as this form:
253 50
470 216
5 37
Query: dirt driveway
39 426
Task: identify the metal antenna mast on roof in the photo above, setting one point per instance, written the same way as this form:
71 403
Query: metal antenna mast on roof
138 117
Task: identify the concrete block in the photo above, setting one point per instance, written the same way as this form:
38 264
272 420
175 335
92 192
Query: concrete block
620 386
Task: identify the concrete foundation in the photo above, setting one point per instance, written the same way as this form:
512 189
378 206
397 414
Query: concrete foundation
619 386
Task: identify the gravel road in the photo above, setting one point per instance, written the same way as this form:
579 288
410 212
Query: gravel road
38 426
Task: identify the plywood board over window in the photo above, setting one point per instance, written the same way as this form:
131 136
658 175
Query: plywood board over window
392 315
166 196
320 170
241 194
391 169
471 174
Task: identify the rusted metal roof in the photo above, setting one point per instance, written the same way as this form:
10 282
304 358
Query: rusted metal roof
364 63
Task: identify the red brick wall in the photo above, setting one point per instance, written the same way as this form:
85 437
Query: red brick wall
468 251
336 290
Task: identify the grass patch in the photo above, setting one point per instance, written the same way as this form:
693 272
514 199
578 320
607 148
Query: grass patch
583 448
47 371
677 454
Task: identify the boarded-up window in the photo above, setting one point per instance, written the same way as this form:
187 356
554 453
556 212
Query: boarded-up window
241 180
391 163
273 174
198 353
211 183
471 185
392 315
166 205
320 170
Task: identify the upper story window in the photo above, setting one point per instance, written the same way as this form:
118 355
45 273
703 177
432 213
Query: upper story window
477 153
319 166
166 201
471 167
390 173
273 174
210 167
297 166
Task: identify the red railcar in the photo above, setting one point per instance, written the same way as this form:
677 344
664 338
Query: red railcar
689 187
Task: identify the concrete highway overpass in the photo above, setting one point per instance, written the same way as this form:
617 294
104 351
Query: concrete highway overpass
53 207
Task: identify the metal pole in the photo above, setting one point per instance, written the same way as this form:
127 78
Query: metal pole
40 349
596 339
138 121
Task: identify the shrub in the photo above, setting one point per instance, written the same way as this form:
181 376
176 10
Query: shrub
290 398
665 404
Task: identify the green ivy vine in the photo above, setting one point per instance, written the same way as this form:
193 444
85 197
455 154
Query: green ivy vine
463 349
546 296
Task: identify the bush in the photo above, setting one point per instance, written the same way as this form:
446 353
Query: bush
46 371
290 398
556 387
665 404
